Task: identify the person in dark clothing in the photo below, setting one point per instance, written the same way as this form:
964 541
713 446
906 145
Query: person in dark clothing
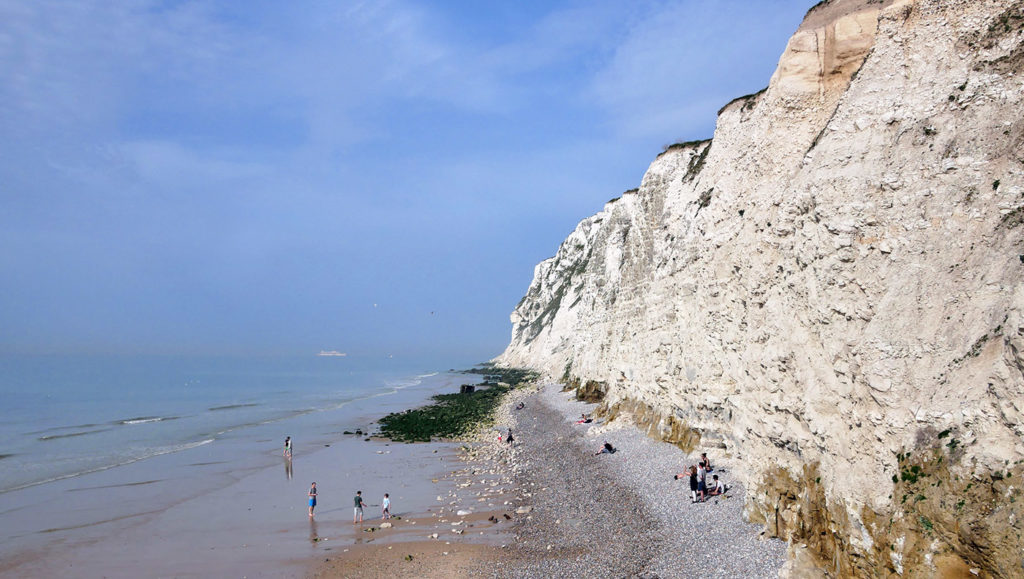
705 462
693 484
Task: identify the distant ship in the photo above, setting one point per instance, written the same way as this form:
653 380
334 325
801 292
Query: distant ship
331 353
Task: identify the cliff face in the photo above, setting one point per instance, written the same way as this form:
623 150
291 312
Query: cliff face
830 289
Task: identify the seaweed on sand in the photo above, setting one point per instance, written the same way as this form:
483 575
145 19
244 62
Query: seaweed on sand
453 415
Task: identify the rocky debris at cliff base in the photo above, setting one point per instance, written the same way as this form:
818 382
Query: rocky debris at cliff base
576 514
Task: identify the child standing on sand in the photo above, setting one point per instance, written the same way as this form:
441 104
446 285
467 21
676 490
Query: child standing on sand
288 446
357 512
312 498
385 507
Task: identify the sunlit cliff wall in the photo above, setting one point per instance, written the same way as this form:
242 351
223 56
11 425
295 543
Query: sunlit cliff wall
830 290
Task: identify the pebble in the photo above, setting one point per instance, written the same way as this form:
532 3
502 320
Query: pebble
618 515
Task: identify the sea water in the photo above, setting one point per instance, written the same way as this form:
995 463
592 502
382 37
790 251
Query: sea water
68 416
95 449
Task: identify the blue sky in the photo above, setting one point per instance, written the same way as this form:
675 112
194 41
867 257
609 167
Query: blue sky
378 178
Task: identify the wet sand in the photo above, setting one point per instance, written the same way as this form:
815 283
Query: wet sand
208 513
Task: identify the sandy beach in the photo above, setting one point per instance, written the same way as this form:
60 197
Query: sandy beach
548 506
544 506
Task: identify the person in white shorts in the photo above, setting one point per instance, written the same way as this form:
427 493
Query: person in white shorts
357 511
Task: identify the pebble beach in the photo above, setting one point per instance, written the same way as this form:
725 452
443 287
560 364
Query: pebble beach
548 506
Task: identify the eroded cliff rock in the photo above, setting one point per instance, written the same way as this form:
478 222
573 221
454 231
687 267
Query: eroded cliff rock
830 289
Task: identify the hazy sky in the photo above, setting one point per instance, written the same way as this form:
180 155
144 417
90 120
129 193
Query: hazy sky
372 177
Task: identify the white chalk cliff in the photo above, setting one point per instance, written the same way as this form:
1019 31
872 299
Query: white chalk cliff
830 290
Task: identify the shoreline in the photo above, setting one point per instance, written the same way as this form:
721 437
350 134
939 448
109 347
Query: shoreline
571 513
224 509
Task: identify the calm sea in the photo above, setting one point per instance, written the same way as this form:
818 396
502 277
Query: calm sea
65 417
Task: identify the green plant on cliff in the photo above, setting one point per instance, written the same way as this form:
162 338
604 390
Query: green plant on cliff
681 145
705 199
961 521
696 163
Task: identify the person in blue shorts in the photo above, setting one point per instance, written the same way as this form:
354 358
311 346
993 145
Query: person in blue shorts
312 498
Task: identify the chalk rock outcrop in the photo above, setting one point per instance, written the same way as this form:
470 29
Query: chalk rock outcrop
831 290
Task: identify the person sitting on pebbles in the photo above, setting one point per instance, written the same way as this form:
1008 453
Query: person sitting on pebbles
584 419
704 462
607 448
717 487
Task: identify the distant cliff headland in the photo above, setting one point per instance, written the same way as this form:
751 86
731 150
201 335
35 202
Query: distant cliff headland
831 290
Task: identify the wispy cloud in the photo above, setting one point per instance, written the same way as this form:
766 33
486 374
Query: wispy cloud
683 60
229 158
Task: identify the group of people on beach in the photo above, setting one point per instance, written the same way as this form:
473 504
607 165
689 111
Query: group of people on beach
358 503
699 491
508 439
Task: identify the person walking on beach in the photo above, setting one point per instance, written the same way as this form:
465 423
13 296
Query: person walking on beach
312 498
385 507
288 447
357 511
510 438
